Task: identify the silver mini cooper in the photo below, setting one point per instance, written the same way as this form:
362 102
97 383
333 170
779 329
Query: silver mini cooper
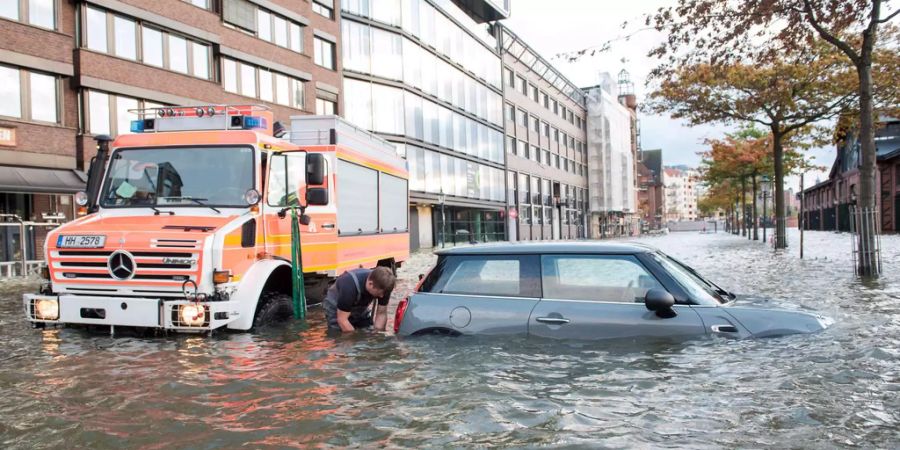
582 290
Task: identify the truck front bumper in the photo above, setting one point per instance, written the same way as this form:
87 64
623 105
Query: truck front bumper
177 315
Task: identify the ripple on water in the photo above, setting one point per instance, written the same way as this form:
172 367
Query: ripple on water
295 386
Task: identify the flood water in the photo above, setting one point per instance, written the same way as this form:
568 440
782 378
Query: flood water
294 386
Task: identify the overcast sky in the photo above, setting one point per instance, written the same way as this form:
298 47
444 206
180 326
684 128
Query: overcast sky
571 25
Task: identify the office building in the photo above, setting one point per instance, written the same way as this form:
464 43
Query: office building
544 120
426 76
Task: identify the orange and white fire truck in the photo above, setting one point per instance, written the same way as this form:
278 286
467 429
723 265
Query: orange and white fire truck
187 226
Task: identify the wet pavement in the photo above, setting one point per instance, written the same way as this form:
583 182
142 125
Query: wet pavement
295 386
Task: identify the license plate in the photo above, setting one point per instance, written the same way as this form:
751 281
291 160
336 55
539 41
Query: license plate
80 241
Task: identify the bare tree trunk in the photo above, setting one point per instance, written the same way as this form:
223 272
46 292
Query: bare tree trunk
868 265
744 206
755 217
780 229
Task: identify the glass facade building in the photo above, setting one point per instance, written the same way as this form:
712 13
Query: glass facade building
427 76
545 126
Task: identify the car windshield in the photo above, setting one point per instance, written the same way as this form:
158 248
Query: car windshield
184 176
700 290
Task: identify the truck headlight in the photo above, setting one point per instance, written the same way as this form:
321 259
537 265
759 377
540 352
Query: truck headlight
46 309
192 315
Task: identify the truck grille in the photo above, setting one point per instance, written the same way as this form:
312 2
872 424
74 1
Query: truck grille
149 266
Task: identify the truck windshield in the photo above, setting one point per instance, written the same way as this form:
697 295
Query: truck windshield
183 176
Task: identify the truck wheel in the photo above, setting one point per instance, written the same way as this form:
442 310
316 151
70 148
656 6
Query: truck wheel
274 307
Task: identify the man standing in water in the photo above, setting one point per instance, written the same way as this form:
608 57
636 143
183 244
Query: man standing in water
347 301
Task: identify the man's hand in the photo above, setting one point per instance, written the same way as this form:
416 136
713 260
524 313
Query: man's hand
380 317
343 320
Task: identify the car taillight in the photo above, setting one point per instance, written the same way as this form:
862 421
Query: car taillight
398 315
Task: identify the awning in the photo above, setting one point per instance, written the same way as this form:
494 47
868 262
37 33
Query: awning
37 180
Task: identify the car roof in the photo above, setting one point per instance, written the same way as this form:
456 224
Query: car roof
583 247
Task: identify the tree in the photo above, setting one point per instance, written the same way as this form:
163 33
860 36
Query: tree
765 30
786 95
745 155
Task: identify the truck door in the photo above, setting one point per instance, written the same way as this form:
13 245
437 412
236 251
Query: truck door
286 186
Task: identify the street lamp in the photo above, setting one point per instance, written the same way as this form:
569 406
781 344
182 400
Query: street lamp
441 199
765 185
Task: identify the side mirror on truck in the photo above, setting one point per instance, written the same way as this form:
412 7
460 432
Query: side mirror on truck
315 169
316 196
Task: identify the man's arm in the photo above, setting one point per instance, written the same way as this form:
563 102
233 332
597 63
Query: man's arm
343 320
380 322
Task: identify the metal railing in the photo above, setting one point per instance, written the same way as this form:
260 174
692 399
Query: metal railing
866 247
23 267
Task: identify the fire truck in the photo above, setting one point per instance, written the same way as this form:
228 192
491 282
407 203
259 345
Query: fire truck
187 224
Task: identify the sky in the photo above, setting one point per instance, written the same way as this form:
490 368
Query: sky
571 25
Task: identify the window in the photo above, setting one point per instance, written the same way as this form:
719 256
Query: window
507 276
199 3
325 107
43 97
324 53
278 30
604 278
521 85
545 99
111 114
240 13
510 77
522 118
323 10
178 56
96 23
126 45
41 13
534 92
535 124
510 112
152 46
29 95
546 129
158 48
251 81
11 92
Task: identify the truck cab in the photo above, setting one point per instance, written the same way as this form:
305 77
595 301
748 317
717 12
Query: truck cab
187 226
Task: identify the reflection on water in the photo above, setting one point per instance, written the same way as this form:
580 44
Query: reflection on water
295 386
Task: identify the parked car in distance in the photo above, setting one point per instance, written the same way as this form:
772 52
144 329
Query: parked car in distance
581 290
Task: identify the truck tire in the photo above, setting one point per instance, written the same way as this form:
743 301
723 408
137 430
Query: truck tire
273 307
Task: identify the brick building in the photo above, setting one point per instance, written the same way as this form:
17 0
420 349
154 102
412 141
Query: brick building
650 189
71 70
826 205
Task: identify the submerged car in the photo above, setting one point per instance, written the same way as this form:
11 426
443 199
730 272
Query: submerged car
582 290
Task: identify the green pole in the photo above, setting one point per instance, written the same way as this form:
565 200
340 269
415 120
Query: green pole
298 290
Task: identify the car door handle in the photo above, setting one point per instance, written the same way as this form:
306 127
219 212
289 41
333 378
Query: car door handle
724 329
553 320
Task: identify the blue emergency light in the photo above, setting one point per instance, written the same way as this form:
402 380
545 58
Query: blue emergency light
251 122
139 126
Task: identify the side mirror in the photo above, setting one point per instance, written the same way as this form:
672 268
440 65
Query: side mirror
661 302
304 219
315 169
316 196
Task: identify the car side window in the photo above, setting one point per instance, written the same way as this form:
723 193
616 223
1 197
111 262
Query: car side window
505 276
605 278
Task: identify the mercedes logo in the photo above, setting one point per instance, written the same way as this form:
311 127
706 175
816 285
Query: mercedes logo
121 265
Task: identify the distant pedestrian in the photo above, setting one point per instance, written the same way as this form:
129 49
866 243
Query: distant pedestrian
356 295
